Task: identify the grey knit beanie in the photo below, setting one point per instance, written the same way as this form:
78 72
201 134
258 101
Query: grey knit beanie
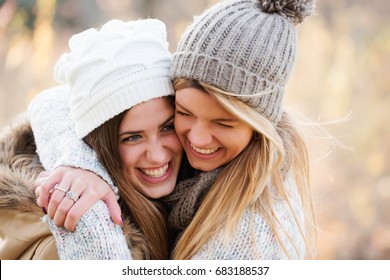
245 47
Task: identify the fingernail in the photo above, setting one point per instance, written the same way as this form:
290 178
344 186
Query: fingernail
44 210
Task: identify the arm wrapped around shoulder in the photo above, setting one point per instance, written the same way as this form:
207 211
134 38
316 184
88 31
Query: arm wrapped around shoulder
54 132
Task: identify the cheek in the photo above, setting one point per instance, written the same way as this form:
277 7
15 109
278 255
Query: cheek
173 143
238 140
245 140
181 125
128 156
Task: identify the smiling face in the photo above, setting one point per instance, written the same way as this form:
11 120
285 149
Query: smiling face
149 149
210 135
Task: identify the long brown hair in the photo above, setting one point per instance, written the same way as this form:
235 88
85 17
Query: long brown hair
147 214
274 151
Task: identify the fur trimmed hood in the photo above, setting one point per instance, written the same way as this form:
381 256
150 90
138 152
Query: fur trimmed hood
19 166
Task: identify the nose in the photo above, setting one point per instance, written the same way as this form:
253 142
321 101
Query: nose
200 135
156 152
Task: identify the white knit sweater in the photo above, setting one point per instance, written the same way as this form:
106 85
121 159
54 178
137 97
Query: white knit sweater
97 237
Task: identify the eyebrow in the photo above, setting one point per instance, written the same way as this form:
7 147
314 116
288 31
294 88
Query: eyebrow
214 120
182 107
168 120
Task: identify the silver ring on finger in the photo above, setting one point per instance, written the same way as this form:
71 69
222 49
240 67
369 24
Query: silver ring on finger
57 187
72 196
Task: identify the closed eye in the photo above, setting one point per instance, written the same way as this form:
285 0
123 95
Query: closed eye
182 113
225 125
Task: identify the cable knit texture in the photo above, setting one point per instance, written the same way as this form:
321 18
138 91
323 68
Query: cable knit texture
185 200
96 237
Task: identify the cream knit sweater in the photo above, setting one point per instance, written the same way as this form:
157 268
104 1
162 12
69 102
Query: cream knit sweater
96 236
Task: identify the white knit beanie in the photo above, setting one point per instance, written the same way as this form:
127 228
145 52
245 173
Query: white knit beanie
244 47
113 69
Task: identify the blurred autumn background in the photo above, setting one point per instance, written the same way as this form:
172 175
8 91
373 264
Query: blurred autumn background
340 79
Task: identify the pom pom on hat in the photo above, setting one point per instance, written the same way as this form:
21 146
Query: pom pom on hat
294 10
113 69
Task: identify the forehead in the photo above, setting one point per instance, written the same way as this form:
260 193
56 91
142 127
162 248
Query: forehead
200 103
151 113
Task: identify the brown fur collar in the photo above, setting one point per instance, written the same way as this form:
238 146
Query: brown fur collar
19 166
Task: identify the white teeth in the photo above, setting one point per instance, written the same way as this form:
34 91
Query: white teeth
156 173
204 151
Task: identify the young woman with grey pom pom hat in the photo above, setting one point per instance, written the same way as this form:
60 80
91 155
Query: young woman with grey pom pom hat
250 195
229 73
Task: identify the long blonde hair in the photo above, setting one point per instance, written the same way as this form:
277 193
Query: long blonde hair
147 214
271 153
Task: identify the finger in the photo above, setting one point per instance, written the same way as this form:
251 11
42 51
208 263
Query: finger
43 174
82 205
62 211
114 208
56 198
37 195
87 198
37 191
47 185
41 178
39 181
43 198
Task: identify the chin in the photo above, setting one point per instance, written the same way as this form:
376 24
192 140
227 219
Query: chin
160 193
202 166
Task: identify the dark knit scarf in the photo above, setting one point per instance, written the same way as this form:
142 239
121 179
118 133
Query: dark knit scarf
185 200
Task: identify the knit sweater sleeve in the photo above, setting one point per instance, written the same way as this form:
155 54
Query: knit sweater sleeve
254 238
55 136
96 237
